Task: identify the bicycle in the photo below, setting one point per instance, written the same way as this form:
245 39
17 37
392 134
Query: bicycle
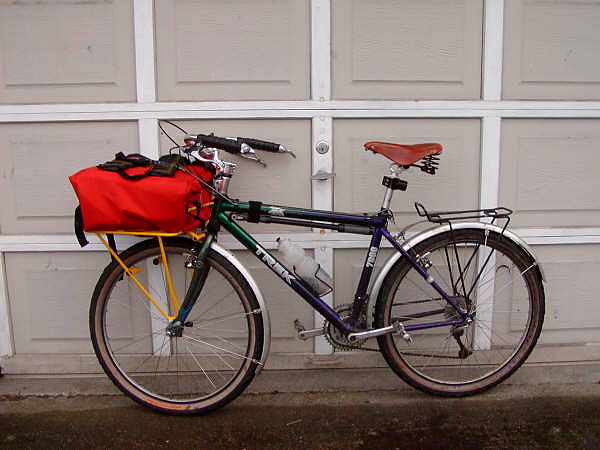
456 310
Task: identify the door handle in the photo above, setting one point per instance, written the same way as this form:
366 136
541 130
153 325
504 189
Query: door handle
322 175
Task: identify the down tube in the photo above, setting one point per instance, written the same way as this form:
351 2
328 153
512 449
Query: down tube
271 262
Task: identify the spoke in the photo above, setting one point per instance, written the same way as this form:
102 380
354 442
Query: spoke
512 281
223 349
509 347
133 342
419 286
227 330
487 306
144 302
494 334
227 317
481 271
469 261
223 361
221 339
474 353
443 279
170 355
460 271
449 269
160 352
201 368
162 273
215 304
145 360
177 366
445 344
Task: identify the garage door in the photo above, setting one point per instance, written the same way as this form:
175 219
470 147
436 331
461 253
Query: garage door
510 89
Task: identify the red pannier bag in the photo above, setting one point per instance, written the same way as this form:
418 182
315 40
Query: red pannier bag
110 201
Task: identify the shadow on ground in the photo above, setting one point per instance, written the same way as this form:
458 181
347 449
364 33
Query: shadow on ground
535 417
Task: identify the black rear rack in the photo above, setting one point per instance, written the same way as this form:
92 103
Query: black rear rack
449 216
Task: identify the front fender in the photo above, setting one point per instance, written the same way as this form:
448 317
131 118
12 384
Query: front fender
420 237
261 301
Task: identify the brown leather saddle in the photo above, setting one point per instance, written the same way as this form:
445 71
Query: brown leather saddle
404 155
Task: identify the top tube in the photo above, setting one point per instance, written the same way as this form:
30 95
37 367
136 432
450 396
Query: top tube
375 220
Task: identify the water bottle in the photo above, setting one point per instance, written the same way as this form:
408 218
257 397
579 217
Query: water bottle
305 267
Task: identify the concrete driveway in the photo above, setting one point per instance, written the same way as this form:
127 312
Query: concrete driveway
543 416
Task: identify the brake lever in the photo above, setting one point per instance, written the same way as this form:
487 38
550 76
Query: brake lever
283 149
212 157
249 153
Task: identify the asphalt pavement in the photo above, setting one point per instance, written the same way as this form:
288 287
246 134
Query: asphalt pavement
511 416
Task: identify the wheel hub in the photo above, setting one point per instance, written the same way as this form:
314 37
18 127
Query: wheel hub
175 329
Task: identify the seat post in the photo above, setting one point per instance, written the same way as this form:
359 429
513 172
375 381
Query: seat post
395 170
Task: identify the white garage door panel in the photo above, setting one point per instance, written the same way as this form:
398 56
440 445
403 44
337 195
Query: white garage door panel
572 306
36 160
253 50
66 51
49 300
406 49
548 172
551 51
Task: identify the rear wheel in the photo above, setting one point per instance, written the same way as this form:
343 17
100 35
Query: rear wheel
208 362
487 275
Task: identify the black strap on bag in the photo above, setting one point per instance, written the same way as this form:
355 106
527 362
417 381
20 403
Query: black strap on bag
81 235
164 167
112 244
121 163
79 228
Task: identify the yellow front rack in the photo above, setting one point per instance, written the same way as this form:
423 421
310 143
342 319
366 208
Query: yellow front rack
132 272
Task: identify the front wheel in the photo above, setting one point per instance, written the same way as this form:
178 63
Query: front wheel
488 276
208 362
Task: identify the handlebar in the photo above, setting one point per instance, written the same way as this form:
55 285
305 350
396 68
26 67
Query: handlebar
228 145
235 146
266 146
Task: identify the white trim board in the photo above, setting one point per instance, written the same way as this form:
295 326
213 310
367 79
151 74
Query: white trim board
320 50
56 243
493 40
298 109
143 17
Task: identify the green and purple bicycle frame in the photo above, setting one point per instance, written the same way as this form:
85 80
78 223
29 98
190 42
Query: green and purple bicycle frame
373 225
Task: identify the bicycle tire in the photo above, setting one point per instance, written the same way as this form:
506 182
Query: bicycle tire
219 349
506 322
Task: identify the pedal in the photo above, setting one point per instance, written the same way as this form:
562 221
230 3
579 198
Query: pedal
399 326
304 334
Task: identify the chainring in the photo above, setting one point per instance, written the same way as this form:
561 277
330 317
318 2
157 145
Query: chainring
334 336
